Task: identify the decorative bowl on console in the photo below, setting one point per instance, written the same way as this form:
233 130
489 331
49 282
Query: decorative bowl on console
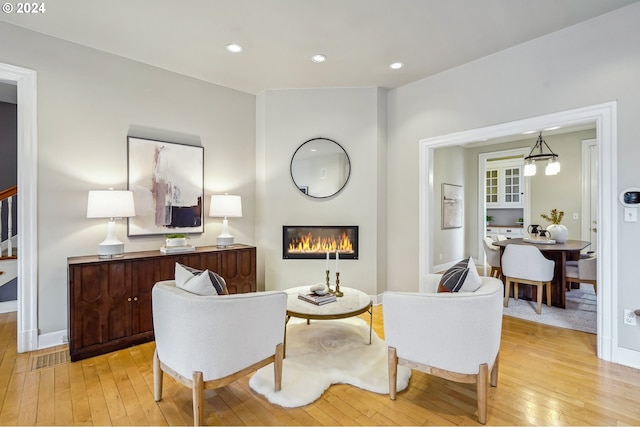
176 240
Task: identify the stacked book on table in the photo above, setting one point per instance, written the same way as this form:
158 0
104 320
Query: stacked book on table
177 249
317 299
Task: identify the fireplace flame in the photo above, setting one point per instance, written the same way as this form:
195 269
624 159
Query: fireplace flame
310 244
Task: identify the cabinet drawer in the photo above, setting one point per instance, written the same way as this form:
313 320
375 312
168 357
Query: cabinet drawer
510 232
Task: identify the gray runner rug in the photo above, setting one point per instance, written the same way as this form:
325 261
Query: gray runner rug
579 314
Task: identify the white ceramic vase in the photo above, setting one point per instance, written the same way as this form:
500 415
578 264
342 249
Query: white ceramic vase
558 232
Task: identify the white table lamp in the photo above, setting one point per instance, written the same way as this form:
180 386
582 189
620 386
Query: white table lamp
112 204
225 206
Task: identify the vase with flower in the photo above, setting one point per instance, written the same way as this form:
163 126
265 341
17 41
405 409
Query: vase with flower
557 231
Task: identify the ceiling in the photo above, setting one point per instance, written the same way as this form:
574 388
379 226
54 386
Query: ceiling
359 37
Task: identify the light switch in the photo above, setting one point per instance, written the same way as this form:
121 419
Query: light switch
630 214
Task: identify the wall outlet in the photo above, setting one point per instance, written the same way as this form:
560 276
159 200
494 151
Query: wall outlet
629 317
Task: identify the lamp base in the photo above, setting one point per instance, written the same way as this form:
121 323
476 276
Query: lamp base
110 250
224 241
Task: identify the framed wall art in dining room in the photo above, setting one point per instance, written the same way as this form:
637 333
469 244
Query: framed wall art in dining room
452 206
167 181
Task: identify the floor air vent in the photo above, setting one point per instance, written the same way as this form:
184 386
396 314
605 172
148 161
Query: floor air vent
48 360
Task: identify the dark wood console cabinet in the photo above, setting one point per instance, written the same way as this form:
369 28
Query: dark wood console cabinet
110 299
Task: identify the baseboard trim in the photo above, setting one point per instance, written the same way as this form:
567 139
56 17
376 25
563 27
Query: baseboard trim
53 339
628 357
376 299
8 306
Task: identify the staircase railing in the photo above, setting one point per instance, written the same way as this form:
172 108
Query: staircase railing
7 198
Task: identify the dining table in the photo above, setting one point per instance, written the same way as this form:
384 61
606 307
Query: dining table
560 253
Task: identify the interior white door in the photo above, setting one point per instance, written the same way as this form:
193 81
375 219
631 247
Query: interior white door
590 193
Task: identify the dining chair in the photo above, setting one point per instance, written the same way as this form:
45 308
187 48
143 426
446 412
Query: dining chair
525 264
583 270
493 257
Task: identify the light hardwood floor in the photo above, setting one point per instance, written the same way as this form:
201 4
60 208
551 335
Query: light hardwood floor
548 376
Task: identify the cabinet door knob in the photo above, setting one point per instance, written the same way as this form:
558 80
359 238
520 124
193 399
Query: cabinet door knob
129 299
135 298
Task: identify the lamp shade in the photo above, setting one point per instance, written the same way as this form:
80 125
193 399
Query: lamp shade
225 206
110 204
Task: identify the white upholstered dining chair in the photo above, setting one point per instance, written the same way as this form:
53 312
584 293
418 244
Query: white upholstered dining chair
208 342
525 264
583 270
455 336
493 257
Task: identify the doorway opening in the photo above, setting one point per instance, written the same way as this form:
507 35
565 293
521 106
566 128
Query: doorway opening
604 116
27 308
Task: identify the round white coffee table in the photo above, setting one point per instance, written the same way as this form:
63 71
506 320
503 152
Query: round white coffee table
352 303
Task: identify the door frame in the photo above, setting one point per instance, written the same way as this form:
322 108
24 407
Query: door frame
605 117
27 312
585 223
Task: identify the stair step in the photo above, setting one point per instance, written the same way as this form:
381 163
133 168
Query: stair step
4 254
8 270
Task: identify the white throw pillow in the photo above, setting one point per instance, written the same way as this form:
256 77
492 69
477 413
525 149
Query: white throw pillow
473 281
461 277
199 284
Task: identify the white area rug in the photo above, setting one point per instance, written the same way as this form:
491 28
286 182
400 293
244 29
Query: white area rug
328 352
579 314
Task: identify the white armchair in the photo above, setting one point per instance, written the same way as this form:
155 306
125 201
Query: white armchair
211 341
455 336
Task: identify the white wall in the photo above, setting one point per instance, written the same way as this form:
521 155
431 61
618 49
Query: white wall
449 168
588 64
287 119
88 102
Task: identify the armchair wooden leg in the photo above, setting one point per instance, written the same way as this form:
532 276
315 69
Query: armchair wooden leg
548 286
157 377
393 372
277 367
494 371
481 386
198 398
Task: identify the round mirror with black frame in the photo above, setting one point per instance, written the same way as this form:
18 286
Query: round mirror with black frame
320 168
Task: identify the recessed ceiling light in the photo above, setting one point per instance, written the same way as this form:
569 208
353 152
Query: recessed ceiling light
553 128
234 48
529 132
396 65
319 58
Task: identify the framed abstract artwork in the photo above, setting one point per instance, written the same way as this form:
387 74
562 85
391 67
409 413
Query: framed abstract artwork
167 181
451 206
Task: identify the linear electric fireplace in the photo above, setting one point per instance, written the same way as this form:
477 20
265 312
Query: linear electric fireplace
314 241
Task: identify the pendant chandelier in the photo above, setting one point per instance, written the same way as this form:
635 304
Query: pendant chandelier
553 166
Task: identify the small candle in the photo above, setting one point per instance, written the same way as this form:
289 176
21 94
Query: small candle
337 259
327 261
